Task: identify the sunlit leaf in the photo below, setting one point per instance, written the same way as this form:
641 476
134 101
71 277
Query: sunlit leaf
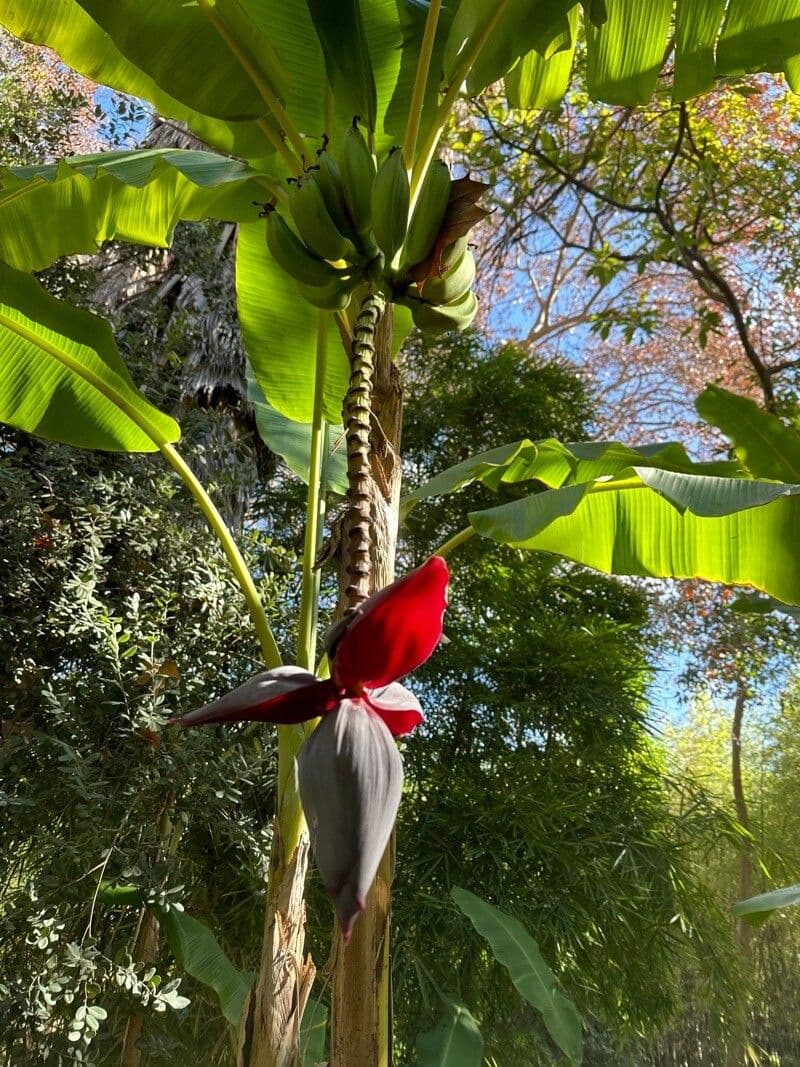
625 54
758 35
756 910
130 196
64 26
696 30
62 377
634 530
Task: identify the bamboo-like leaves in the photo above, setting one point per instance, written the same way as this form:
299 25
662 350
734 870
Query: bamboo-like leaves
51 210
62 377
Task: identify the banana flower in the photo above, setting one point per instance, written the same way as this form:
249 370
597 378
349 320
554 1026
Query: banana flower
350 773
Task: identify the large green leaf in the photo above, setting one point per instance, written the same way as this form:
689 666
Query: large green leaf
340 29
556 465
313 1029
129 196
756 910
198 952
521 26
758 35
62 377
514 947
696 30
764 444
65 27
536 82
292 440
280 333
633 530
625 54
455 1041
182 47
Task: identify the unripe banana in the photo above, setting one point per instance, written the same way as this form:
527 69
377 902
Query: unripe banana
314 223
358 173
297 260
435 321
390 204
328 176
335 296
453 253
453 283
428 214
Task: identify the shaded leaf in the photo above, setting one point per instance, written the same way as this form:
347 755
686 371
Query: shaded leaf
313 1030
765 445
536 82
514 947
758 35
198 952
62 377
522 25
292 440
455 1041
340 28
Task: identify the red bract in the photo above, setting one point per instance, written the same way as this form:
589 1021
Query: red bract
350 773
391 634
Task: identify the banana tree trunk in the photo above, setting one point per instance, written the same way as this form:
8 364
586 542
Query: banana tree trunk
270 1029
360 990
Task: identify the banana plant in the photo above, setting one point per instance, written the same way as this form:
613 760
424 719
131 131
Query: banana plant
323 124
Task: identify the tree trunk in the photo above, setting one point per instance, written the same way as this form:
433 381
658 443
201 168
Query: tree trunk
737 1048
145 951
360 995
742 816
271 1018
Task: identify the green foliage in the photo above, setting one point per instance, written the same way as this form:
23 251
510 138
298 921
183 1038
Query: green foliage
515 949
455 1041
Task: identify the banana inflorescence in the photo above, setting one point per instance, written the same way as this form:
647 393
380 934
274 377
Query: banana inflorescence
350 229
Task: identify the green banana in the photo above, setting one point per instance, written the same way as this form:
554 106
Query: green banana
453 253
358 173
390 195
428 214
334 296
438 320
297 260
314 223
328 176
453 283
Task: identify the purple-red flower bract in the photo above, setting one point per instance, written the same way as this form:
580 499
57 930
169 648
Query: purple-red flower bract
350 773
391 634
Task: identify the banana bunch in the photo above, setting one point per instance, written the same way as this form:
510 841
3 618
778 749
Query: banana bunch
350 227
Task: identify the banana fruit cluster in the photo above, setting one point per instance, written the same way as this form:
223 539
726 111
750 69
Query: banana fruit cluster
350 230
